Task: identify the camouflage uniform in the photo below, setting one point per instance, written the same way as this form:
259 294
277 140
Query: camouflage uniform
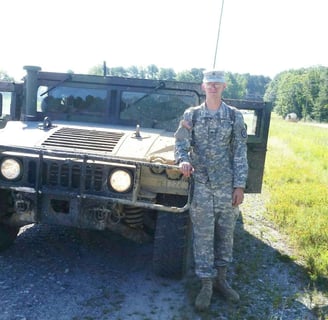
216 147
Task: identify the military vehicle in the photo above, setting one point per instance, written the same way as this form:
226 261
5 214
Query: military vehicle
96 152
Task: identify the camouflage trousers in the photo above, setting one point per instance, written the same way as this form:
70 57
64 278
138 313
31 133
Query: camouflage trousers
213 219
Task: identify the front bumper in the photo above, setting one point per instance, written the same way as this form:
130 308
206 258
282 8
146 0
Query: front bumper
81 178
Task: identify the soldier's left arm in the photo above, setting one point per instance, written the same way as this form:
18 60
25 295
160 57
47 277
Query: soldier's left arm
239 151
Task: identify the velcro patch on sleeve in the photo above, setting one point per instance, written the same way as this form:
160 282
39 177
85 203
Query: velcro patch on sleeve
185 124
243 133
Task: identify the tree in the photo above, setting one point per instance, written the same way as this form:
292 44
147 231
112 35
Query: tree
152 72
270 94
185 76
320 108
303 91
235 87
197 74
118 72
289 95
97 70
167 74
133 72
5 77
256 86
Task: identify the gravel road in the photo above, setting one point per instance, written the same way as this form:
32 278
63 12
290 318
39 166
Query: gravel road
56 273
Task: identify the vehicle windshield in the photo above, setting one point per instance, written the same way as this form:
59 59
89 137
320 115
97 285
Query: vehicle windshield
146 107
73 104
155 110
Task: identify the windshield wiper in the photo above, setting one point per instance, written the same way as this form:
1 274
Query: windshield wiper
69 77
159 86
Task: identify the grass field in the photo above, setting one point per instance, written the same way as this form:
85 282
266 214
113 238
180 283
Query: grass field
296 177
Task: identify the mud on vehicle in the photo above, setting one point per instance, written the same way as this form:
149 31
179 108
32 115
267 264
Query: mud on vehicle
96 152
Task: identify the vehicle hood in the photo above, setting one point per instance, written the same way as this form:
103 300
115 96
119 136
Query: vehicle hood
117 141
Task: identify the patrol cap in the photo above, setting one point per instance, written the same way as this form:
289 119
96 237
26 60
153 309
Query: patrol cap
213 76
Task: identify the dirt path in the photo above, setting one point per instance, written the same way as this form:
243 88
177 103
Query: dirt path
66 274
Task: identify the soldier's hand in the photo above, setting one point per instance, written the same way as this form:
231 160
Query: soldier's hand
237 196
186 168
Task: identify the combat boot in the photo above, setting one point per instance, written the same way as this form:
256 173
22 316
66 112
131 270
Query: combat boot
203 299
221 285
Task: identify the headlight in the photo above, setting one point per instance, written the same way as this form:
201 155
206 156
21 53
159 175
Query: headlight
10 169
120 180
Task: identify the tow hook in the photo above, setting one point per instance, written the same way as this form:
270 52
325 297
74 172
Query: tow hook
22 205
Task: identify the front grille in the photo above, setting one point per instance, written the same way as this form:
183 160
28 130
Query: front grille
83 139
71 175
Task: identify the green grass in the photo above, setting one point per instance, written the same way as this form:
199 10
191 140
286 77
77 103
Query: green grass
296 176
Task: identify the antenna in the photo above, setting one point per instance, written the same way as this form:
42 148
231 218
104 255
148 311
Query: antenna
218 36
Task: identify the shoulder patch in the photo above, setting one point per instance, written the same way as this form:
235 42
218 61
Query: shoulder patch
244 133
185 124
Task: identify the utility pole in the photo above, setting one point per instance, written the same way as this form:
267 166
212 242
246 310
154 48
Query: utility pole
218 36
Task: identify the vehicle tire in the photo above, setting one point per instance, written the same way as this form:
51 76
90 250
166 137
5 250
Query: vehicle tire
8 234
171 244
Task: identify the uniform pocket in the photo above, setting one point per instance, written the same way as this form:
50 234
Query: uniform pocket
225 130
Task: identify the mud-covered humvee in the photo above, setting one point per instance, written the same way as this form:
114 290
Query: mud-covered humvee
96 152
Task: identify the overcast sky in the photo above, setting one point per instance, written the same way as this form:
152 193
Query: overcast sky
260 37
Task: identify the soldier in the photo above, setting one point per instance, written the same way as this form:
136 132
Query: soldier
211 147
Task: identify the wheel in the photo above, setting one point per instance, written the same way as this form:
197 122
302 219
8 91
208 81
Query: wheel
8 234
171 244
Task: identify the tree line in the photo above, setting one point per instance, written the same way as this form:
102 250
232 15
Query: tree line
302 91
239 86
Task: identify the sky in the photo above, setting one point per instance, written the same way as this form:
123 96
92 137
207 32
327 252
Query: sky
259 37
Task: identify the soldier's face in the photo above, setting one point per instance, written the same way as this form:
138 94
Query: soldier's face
213 88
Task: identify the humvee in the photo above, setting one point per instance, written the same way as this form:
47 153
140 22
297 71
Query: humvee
96 152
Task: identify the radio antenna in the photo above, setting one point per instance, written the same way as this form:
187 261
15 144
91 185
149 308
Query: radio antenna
218 36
